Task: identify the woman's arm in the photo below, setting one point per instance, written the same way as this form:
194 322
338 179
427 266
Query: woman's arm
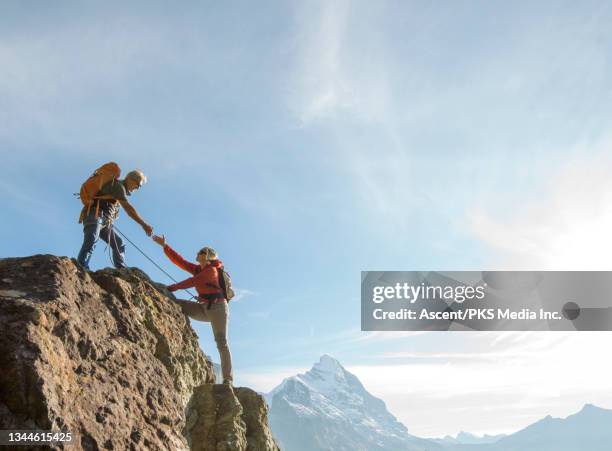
187 283
175 257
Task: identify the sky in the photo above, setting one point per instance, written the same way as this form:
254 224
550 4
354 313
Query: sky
309 141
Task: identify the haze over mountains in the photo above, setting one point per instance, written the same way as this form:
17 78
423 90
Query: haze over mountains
327 408
465 438
588 430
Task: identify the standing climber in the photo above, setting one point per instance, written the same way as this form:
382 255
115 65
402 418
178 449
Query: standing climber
214 290
102 194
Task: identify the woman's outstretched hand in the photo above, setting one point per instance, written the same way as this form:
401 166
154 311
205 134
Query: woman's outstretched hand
161 240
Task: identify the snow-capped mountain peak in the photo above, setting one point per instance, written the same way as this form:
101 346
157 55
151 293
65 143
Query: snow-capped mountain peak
327 364
328 376
328 405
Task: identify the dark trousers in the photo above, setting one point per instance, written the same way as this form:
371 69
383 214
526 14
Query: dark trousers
93 229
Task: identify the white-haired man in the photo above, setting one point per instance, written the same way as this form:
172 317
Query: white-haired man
98 221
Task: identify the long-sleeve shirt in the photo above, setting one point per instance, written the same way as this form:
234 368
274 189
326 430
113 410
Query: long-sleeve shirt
205 280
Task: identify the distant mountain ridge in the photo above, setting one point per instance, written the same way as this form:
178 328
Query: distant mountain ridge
465 438
590 429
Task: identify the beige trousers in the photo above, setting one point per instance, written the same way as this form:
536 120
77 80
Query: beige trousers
217 316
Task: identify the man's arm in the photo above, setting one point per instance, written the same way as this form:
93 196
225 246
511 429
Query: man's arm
132 213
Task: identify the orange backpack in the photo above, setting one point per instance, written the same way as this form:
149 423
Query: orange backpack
106 173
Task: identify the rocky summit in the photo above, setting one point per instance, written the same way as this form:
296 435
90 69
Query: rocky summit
110 358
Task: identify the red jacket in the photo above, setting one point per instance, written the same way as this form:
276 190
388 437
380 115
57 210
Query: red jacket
205 280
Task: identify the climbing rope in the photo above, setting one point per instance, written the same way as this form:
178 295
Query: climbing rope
113 227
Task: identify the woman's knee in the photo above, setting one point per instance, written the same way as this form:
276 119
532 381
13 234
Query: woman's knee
221 340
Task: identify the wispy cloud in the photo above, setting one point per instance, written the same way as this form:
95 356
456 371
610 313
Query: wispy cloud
242 293
322 88
335 90
514 378
517 382
564 225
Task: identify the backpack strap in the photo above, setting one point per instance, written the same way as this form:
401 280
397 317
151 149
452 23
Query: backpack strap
222 295
222 282
87 208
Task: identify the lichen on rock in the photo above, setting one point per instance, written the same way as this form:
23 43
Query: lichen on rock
107 356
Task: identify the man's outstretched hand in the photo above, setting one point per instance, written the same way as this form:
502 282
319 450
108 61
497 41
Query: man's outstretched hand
148 229
161 240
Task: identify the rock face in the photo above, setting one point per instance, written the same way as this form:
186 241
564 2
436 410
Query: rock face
223 419
109 357
255 414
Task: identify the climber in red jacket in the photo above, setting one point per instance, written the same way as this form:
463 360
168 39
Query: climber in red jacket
211 305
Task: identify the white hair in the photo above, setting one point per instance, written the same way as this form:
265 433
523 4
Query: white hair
138 176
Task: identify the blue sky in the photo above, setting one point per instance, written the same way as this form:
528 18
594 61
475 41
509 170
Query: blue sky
308 141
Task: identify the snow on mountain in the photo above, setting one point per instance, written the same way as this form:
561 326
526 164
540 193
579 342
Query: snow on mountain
327 408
